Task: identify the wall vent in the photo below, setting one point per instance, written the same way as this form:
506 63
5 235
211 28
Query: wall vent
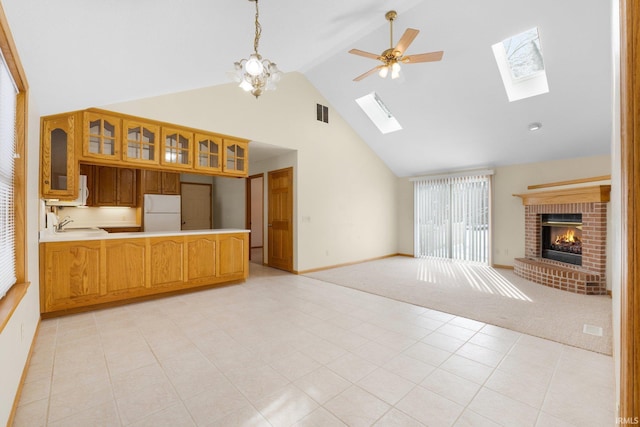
322 113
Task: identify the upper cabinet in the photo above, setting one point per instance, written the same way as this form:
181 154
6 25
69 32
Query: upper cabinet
108 138
208 153
177 148
101 136
140 142
58 164
157 182
236 158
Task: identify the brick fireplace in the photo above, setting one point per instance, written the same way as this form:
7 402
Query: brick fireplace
587 203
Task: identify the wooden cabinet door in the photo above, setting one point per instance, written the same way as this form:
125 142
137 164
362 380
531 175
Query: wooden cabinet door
127 194
177 148
125 265
166 261
232 255
151 182
235 158
106 183
170 183
70 273
100 136
201 259
58 167
140 142
208 153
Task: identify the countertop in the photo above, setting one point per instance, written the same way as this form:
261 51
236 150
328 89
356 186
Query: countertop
67 236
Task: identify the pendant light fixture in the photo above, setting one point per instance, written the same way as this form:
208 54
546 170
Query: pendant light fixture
256 74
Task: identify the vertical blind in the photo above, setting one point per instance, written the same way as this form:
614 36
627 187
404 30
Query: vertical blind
8 94
452 217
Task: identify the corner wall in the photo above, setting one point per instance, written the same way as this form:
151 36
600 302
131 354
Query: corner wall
344 192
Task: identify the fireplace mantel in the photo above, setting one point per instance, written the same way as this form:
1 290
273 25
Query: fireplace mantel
590 194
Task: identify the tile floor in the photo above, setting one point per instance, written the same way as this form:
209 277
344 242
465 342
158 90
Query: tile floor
283 350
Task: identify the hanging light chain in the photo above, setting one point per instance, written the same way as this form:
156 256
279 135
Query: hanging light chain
256 40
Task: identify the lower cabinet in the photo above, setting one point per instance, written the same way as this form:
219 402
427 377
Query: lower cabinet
79 274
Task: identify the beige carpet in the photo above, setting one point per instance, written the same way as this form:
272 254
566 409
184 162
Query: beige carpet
494 296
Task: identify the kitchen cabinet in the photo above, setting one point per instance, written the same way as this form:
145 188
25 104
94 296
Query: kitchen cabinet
57 160
166 261
76 275
101 136
69 275
156 182
125 270
140 142
201 253
177 150
208 153
115 186
236 158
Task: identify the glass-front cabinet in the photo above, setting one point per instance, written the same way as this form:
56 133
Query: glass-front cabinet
140 142
101 136
177 148
208 153
58 167
236 158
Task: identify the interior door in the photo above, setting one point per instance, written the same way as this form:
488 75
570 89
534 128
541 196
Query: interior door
280 219
196 206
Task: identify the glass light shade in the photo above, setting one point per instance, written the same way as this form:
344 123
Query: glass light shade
395 74
245 85
254 66
383 72
395 67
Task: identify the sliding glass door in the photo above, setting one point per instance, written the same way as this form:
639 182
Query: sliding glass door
452 217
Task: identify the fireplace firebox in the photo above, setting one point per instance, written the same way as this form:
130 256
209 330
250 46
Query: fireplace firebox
561 237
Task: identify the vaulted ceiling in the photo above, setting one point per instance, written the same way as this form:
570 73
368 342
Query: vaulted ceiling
454 113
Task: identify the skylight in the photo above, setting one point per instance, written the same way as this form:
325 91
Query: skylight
378 112
521 65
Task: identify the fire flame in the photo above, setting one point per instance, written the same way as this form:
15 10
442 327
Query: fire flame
568 237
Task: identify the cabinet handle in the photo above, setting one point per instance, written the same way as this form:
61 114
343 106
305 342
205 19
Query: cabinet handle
269 225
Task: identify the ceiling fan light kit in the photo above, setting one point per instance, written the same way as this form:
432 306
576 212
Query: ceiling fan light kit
392 58
256 74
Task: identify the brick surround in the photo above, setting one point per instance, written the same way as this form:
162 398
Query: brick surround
590 278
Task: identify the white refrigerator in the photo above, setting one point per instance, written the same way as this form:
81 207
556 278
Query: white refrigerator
161 212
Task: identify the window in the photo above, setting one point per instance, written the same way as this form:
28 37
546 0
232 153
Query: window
452 217
521 65
8 93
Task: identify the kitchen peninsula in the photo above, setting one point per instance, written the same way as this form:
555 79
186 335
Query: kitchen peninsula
80 271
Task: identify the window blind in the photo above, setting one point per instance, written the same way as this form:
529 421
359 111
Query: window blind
452 216
8 94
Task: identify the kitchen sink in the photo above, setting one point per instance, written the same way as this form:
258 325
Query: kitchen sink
82 230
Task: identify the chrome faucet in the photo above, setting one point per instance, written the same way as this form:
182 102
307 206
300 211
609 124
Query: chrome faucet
66 220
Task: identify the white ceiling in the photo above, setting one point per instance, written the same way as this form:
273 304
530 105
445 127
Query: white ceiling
454 113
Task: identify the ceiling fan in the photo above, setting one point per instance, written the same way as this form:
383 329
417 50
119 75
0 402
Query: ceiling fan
392 57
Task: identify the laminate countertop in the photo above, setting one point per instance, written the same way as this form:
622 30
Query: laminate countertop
74 234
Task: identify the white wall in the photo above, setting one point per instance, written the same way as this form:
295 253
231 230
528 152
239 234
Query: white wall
257 214
18 334
345 193
229 203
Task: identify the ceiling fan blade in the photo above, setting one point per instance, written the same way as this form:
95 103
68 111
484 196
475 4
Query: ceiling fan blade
363 53
406 39
423 57
368 73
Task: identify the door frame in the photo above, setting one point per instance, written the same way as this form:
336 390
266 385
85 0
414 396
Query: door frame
250 207
289 267
630 210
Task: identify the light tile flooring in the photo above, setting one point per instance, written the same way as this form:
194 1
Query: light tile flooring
283 350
